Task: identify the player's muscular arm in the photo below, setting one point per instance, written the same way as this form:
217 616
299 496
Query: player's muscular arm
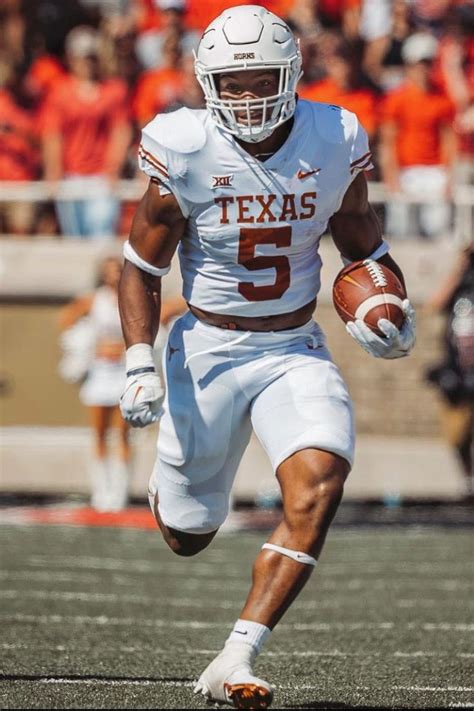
156 230
355 228
157 227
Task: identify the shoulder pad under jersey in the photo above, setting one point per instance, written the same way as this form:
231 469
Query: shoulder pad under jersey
339 126
335 124
181 131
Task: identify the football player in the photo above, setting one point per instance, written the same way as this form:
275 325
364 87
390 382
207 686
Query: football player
244 190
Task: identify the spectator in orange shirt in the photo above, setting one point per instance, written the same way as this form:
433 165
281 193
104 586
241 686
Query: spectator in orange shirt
86 134
19 149
417 147
44 74
340 87
160 87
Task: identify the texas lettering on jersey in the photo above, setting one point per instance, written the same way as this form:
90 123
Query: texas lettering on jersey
253 228
263 209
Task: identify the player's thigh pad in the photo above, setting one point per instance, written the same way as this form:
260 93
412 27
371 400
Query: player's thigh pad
307 407
203 433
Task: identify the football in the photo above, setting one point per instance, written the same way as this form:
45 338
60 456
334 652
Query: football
369 291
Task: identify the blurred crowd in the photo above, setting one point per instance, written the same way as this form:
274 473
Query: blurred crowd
79 78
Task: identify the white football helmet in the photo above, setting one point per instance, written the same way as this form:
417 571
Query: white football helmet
249 37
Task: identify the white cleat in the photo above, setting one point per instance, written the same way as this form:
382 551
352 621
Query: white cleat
229 680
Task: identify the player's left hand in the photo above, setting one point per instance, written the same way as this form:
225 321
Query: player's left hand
397 343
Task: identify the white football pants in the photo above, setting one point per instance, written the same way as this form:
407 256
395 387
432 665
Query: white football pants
220 384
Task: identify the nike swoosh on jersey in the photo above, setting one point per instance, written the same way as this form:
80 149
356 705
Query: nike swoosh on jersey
302 174
172 351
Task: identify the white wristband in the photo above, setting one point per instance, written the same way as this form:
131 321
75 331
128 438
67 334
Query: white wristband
139 356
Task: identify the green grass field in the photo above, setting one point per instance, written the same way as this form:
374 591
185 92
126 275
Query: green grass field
108 618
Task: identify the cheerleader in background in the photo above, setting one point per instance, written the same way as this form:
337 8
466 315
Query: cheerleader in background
103 384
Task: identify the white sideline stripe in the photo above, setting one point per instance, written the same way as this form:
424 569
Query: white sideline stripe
195 624
207 652
467 689
140 566
37 435
84 596
376 300
112 621
119 579
127 579
447 585
166 682
113 682
381 567
217 569
111 597
45 576
427 626
209 572
436 689
119 563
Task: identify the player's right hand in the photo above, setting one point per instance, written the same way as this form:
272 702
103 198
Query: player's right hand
397 343
142 399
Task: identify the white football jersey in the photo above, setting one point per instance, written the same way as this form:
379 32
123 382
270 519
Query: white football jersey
253 228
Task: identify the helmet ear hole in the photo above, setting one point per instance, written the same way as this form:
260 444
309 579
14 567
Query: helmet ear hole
272 48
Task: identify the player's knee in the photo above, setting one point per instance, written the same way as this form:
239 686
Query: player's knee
323 496
330 485
188 544
322 492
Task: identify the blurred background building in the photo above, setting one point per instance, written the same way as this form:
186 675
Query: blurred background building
78 80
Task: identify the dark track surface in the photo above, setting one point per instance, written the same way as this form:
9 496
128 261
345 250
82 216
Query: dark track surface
109 618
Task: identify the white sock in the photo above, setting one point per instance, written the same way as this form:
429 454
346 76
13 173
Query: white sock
249 633
118 484
99 478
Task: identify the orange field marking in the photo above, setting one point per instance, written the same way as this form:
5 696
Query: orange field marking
129 518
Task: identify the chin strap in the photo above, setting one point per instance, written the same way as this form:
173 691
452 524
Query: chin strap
295 555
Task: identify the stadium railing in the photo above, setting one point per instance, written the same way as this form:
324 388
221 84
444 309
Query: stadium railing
131 190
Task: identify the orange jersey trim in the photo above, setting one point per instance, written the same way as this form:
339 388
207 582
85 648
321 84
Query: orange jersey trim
152 160
362 158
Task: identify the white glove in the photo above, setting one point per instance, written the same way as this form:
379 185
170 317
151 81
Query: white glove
142 399
397 342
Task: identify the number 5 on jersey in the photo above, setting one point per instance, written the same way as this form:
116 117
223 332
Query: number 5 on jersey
249 238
